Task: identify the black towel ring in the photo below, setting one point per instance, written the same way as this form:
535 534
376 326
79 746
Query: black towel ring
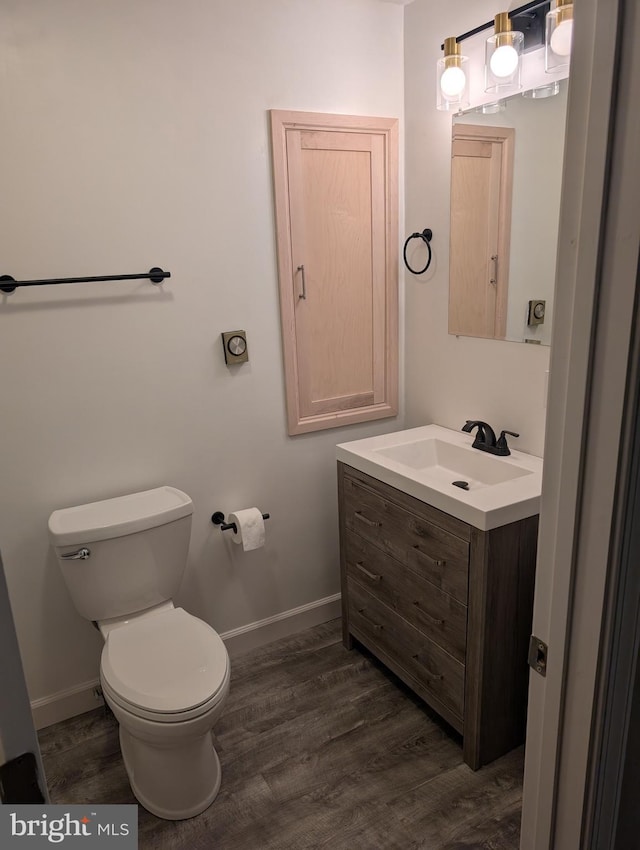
426 236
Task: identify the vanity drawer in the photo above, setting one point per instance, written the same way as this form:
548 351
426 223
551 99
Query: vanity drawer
436 554
436 614
437 671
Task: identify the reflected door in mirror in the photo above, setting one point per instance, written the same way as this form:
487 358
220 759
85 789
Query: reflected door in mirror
481 190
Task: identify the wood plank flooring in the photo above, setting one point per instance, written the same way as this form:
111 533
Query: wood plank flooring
320 748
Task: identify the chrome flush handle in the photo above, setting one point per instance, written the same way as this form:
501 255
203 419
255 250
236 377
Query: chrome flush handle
80 555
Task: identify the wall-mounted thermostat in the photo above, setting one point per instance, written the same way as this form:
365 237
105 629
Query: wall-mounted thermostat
234 344
536 312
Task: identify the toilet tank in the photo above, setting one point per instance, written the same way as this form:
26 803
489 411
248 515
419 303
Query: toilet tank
137 547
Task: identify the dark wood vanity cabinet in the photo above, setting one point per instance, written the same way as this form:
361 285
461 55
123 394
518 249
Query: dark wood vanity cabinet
445 606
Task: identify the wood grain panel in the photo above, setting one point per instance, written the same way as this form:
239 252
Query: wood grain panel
428 549
319 748
472 148
334 321
439 673
409 503
436 614
474 209
389 547
336 215
342 530
501 589
481 190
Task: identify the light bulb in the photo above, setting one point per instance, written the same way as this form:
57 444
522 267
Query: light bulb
452 82
504 61
561 38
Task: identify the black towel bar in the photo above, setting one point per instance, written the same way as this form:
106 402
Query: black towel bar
9 284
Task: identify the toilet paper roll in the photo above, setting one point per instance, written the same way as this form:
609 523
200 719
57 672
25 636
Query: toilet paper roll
250 527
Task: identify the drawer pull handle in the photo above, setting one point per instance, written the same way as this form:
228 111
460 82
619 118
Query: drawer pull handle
431 675
367 521
437 562
375 625
428 616
364 570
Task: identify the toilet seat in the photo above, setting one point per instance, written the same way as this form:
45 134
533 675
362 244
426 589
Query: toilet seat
169 666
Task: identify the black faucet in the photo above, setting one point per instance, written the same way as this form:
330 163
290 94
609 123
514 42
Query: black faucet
485 439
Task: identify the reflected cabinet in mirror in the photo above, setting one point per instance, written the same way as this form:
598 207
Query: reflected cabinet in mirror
506 174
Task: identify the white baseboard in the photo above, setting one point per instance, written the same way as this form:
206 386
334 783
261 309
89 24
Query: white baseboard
80 698
64 704
241 640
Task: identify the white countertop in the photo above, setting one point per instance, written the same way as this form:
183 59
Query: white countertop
423 462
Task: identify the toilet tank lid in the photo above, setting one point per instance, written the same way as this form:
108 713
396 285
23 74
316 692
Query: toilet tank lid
117 517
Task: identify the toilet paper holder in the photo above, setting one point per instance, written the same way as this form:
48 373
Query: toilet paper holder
218 519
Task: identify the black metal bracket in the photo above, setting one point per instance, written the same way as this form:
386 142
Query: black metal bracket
218 519
528 19
155 275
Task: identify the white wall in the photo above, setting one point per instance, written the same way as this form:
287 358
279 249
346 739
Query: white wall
451 379
136 134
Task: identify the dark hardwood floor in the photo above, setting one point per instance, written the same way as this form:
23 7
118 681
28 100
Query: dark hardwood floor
320 748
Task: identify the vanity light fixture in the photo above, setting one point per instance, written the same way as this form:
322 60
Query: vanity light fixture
559 36
502 57
452 78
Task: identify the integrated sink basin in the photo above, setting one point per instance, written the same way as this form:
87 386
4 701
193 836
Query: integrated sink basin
448 462
438 466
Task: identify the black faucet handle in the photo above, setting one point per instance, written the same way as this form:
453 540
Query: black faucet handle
501 443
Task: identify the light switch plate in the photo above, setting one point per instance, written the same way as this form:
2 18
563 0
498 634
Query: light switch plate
235 347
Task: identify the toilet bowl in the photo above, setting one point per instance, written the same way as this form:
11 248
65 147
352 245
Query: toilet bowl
164 672
165 676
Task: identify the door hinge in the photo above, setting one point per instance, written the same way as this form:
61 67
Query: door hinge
538 651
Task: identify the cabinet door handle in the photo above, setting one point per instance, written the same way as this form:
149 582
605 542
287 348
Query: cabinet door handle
371 622
435 561
430 674
303 294
370 522
494 279
428 616
364 570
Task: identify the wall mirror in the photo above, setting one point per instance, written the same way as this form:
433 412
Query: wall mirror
505 206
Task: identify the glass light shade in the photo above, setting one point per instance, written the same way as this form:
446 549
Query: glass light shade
540 92
559 37
493 108
503 54
452 93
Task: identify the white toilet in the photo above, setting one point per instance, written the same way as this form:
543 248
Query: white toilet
164 673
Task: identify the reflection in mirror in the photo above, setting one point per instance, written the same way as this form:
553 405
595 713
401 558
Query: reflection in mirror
504 239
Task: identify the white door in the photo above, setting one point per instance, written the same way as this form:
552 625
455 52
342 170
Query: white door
595 289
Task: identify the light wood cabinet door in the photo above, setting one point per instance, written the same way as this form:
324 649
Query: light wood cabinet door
336 217
481 189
